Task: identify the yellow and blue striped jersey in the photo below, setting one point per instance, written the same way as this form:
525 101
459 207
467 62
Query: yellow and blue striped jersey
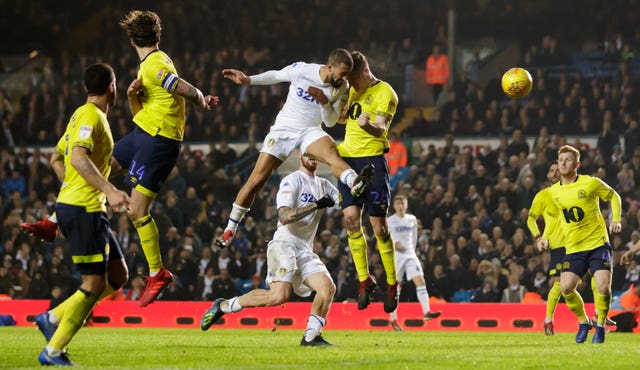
87 128
578 206
163 110
378 99
542 205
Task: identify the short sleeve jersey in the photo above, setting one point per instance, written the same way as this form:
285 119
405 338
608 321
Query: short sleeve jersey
378 99
163 110
404 230
297 190
87 128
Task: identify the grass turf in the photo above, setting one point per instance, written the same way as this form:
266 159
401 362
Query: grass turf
263 349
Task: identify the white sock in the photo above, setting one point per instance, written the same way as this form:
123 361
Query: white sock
53 218
231 305
53 352
315 324
235 217
348 177
53 318
393 316
423 298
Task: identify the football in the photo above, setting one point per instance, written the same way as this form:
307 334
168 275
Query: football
516 82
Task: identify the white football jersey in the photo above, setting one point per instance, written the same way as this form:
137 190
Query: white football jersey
297 190
404 230
300 110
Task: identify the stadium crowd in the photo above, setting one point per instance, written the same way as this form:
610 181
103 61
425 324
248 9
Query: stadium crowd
472 207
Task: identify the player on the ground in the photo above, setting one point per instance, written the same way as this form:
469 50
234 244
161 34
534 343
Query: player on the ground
577 199
371 106
156 98
316 94
82 161
291 262
404 231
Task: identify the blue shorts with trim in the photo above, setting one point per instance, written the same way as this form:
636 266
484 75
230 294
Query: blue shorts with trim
376 197
555 263
148 159
90 238
581 262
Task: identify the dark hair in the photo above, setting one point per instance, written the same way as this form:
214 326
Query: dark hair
555 161
340 56
359 61
97 78
143 27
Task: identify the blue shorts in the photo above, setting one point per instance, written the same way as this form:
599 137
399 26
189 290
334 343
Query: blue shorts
581 262
376 196
555 264
90 238
148 159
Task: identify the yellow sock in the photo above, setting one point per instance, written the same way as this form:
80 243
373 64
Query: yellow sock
594 289
59 310
601 302
150 241
388 257
552 299
358 247
576 305
80 304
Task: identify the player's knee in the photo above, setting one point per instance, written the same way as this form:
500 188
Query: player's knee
94 286
328 290
352 222
276 298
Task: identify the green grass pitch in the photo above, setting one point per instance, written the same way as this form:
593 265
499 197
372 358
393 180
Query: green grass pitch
280 349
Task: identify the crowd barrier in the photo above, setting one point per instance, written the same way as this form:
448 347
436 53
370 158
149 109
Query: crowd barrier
499 317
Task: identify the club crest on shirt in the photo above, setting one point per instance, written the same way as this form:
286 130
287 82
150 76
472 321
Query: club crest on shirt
368 99
85 132
271 142
582 194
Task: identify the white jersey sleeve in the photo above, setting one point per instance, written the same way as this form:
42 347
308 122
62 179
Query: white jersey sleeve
286 74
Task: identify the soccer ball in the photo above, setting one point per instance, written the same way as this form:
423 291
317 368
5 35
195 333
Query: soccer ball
516 82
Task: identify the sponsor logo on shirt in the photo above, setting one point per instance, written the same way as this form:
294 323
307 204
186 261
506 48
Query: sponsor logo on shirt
85 132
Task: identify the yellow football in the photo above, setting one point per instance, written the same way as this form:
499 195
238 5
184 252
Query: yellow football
516 82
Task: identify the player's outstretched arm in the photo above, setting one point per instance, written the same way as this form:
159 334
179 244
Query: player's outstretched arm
236 76
194 95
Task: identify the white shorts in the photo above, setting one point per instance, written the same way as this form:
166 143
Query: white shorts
287 263
281 143
408 264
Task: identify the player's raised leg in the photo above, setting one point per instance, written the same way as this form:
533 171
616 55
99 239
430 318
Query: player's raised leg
324 149
259 176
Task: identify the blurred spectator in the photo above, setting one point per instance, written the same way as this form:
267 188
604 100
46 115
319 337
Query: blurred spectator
437 71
